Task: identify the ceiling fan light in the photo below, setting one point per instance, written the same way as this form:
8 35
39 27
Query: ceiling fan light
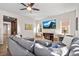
29 8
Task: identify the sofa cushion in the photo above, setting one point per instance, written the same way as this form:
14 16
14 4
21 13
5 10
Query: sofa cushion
25 43
41 50
30 39
44 42
16 50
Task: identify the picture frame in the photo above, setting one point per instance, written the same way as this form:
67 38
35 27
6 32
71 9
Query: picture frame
28 26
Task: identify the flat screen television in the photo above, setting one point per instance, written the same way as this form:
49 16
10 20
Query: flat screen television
49 24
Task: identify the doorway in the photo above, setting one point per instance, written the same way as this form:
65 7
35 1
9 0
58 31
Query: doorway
14 26
6 30
9 26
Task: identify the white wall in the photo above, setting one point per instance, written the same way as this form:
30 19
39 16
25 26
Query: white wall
26 20
70 16
20 24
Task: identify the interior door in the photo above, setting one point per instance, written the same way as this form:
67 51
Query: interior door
14 26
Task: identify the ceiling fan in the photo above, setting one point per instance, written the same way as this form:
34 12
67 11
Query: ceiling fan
29 7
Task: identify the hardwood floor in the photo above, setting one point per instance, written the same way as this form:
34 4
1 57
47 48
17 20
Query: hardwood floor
4 47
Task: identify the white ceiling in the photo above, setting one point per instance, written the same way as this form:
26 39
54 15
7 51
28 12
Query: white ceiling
46 9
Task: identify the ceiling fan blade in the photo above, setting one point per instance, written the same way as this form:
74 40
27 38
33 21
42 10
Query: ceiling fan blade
24 4
36 9
32 4
23 9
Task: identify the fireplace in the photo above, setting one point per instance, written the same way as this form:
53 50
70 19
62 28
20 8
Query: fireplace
48 36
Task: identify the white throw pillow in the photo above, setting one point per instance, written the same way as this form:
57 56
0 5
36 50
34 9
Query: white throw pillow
38 45
67 40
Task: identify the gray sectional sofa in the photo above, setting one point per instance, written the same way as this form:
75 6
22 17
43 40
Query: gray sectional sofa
31 47
23 47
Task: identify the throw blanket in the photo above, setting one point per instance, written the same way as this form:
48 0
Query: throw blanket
59 48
